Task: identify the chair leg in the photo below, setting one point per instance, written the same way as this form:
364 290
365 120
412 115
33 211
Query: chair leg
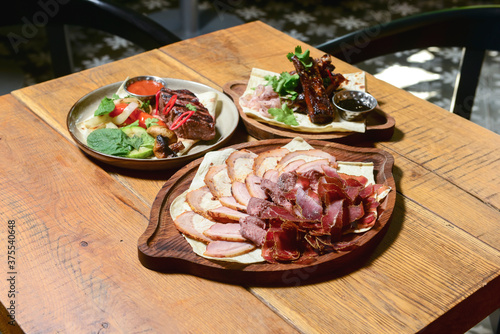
60 51
467 81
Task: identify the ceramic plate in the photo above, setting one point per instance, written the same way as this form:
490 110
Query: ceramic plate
85 107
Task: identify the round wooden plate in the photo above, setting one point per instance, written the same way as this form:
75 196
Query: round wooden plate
379 125
162 248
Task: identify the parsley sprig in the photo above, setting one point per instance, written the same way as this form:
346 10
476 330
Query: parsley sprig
304 57
284 115
285 84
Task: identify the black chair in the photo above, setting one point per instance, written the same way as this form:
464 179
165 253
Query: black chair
103 15
476 29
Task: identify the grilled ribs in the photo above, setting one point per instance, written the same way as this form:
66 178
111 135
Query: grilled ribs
319 107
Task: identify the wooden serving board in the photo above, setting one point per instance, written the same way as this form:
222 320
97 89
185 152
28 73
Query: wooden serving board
163 248
379 125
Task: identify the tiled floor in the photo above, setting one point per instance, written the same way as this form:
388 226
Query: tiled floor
432 72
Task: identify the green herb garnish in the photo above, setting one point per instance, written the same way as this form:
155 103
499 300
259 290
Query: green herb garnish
304 58
284 115
285 84
150 122
190 107
112 142
105 107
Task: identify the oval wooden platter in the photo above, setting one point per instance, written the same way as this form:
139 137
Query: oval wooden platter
379 125
162 248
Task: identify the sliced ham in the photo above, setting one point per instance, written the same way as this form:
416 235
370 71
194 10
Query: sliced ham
230 202
240 193
316 165
217 180
227 232
268 160
223 249
307 156
253 183
240 164
291 166
272 175
225 215
201 200
192 225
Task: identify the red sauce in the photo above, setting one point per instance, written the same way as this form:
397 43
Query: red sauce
144 87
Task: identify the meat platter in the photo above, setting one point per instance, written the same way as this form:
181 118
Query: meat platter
379 125
163 248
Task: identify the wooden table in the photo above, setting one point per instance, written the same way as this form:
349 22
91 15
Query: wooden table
77 221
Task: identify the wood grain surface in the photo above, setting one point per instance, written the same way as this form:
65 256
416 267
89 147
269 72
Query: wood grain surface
436 270
77 264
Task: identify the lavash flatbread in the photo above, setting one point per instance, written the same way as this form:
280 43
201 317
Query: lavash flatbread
355 81
180 205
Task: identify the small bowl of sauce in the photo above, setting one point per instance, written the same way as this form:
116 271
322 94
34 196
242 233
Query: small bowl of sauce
353 105
144 87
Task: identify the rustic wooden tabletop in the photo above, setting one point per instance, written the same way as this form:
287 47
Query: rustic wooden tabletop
77 221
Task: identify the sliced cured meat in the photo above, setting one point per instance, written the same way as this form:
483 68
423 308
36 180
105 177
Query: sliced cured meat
356 212
253 229
316 165
307 156
217 180
253 184
227 232
225 215
223 249
271 175
291 166
275 193
230 202
268 160
282 245
287 181
201 201
240 164
192 225
240 193
360 179
310 205
257 205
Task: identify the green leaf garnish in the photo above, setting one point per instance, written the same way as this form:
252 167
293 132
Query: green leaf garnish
105 107
112 141
285 84
284 115
145 105
304 58
150 122
190 107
